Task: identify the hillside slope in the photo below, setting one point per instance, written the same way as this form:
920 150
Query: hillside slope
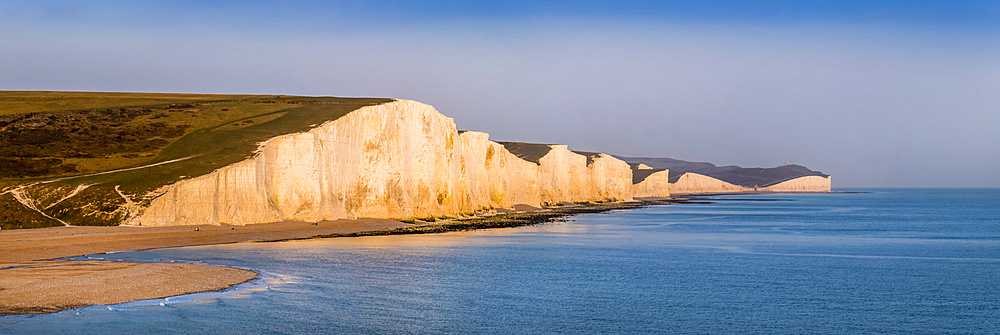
82 166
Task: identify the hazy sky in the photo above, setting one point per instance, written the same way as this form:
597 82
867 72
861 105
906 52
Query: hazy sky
890 93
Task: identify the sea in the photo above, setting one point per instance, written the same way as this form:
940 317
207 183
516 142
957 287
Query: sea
866 261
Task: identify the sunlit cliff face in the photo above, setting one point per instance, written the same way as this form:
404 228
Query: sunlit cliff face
397 160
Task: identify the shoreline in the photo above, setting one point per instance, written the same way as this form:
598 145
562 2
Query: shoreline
51 286
501 220
35 280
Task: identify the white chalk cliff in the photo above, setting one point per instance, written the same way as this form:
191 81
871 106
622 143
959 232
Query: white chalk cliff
694 183
404 160
801 184
655 185
396 160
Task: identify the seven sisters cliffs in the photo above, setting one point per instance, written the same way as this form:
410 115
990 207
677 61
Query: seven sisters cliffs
106 159
107 172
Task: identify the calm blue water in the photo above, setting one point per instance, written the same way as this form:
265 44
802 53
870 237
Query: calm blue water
889 261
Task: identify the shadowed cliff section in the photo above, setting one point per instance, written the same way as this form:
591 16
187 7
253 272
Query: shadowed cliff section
591 156
649 182
746 177
639 175
532 152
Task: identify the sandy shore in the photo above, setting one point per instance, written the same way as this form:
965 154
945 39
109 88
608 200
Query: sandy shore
31 282
52 286
47 243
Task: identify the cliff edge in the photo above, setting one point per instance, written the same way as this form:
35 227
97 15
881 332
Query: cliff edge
274 158
143 159
400 159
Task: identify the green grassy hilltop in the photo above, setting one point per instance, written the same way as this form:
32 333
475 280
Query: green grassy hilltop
63 154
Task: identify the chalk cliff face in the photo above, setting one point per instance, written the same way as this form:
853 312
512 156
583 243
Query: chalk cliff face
656 184
749 178
610 179
324 158
692 183
495 178
801 184
566 176
401 159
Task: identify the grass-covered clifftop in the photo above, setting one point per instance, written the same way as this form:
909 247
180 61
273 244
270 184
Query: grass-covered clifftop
78 157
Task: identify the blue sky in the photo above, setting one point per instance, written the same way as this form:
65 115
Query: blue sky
913 13
876 93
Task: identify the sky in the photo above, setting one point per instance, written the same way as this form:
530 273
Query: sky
875 93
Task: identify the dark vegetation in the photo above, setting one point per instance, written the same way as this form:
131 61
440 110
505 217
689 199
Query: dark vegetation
13 215
37 144
28 166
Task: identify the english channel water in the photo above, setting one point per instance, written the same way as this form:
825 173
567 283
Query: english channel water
883 261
